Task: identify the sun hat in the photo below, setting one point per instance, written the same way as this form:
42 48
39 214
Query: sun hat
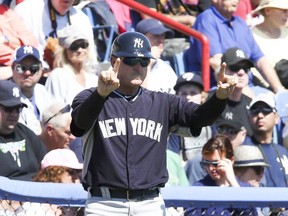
61 157
248 155
280 4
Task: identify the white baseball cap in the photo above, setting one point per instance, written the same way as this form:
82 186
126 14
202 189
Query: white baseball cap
266 98
70 34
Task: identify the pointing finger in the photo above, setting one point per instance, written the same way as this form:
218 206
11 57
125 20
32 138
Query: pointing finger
116 66
221 75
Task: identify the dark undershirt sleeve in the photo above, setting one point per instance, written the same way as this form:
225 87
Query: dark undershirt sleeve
86 107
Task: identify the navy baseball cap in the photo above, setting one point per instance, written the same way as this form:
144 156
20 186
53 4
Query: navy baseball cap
10 94
153 26
233 123
233 56
187 78
25 51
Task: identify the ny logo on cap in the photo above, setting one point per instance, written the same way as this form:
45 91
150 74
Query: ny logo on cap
138 43
16 92
240 54
28 49
229 115
188 76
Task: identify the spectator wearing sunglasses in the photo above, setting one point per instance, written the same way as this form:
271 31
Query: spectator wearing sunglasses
50 17
217 161
55 123
125 129
27 71
156 32
249 167
238 65
72 72
263 117
233 129
21 149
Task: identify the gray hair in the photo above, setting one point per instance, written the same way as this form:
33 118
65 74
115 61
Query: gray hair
58 120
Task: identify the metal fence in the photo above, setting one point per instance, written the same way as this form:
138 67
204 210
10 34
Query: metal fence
19 198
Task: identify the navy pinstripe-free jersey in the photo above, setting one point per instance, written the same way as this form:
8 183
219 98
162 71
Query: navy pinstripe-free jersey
130 137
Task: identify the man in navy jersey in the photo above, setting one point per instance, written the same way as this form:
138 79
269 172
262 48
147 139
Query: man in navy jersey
125 129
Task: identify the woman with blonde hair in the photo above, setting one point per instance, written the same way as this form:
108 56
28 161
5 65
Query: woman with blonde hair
74 69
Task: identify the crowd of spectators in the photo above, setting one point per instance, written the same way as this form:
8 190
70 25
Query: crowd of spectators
49 55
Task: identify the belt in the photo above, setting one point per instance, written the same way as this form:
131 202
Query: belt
127 194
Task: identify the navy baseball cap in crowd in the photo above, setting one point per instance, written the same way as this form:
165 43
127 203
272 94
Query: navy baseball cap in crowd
153 26
25 51
233 123
187 78
233 56
10 94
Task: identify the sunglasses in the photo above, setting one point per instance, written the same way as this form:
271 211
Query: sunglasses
226 130
21 68
207 163
79 44
236 68
18 109
132 61
66 109
263 110
259 170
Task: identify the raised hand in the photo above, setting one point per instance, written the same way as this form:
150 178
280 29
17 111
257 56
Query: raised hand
226 83
108 80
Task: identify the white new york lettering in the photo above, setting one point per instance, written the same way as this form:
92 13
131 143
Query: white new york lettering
103 129
134 125
150 129
140 127
146 128
120 126
113 127
158 131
